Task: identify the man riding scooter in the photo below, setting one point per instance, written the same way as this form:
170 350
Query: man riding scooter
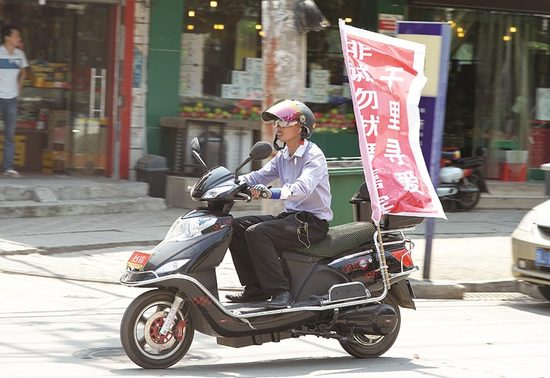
301 168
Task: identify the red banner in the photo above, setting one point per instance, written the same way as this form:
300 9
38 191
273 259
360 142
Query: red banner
386 79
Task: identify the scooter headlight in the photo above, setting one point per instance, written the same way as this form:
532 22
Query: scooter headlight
171 266
216 192
188 228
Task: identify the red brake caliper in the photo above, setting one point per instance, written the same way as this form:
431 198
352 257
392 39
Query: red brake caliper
180 329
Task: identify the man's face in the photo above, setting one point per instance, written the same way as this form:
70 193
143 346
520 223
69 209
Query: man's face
14 39
287 132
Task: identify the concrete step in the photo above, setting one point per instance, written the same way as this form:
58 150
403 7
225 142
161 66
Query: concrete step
509 202
62 190
55 195
512 195
28 209
527 188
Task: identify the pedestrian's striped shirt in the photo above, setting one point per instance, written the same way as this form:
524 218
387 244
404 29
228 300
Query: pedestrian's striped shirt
10 67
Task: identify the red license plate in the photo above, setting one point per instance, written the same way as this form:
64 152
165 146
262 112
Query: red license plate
138 260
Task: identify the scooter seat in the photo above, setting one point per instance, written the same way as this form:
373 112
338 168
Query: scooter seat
469 162
341 238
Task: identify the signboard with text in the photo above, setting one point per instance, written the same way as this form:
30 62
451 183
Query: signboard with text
386 78
436 37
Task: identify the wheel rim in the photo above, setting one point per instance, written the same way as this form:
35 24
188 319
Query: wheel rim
147 328
367 340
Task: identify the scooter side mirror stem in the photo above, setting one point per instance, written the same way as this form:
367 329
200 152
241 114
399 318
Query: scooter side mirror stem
261 150
247 160
198 157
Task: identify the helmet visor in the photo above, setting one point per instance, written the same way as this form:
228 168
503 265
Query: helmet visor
284 110
280 123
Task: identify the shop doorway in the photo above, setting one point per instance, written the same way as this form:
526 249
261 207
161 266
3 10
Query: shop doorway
65 108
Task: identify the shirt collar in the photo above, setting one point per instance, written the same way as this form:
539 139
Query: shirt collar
299 152
5 49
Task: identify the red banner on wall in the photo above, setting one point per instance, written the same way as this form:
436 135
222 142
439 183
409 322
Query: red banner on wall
386 79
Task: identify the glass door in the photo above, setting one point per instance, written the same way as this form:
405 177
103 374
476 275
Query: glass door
65 105
90 94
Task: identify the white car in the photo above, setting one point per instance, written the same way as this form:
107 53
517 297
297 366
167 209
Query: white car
531 248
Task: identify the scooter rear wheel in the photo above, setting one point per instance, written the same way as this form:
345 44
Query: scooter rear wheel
372 346
140 331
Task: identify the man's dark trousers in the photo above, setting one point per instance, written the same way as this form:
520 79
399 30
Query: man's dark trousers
256 238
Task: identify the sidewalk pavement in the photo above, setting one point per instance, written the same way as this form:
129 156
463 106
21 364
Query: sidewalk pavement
471 251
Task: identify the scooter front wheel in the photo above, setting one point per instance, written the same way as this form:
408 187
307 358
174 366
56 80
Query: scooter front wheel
467 201
372 346
140 331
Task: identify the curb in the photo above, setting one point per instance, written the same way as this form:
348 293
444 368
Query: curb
76 248
509 285
437 290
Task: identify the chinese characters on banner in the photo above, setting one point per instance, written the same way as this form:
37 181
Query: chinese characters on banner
386 78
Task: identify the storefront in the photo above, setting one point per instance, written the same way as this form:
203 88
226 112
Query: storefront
221 76
499 82
67 108
498 77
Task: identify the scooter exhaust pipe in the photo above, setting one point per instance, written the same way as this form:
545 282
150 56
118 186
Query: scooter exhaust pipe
373 320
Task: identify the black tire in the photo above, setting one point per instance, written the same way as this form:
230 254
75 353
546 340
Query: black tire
139 331
467 201
545 292
372 346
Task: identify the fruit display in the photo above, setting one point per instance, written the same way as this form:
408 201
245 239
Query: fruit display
332 120
199 110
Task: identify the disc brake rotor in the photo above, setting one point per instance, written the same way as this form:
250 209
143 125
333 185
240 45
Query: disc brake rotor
152 332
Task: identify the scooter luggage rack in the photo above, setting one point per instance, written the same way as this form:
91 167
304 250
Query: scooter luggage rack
403 239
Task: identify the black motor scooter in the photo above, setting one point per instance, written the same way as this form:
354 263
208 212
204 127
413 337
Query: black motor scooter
461 180
347 287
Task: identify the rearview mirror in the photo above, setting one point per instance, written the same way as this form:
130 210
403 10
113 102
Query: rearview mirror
261 150
195 145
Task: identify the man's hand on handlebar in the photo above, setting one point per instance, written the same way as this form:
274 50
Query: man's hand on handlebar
260 191
263 192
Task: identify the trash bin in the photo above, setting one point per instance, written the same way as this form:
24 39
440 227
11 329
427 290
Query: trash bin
344 181
546 168
152 170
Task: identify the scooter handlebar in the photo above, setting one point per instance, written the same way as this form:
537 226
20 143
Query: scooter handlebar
245 196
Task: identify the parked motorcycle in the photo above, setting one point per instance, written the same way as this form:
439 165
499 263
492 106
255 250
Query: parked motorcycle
348 287
461 180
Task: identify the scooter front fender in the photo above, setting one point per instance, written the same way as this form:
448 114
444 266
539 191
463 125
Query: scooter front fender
482 185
